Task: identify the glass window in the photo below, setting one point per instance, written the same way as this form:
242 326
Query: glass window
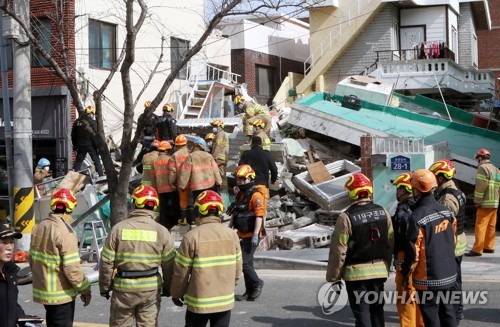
265 80
41 30
178 49
102 44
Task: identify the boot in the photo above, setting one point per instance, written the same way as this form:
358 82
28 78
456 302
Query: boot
190 215
183 221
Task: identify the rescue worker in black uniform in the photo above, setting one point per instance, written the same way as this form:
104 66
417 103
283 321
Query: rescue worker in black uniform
147 136
83 143
166 126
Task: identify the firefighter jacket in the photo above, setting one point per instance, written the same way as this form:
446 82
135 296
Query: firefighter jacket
137 246
175 164
454 199
166 128
220 147
161 174
399 224
11 310
362 243
199 171
251 201
262 162
487 191
55 262
79 134
207 267
148 172
430 254
266 141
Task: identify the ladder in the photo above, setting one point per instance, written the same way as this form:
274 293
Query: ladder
98 237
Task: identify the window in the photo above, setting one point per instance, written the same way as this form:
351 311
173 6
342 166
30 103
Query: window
102 44
41 31
265 80
178 49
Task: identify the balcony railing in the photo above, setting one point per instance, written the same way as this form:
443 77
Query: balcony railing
418 53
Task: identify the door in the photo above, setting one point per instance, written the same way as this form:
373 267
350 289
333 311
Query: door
411 37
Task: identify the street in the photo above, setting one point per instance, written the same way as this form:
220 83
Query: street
289 298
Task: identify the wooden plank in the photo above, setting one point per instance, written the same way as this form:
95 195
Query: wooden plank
318 172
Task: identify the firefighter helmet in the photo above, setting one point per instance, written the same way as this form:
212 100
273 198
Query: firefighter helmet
482 153
358 184
217 123
209 137
244 172
44 162
444 167
90 110
147 104
259 123
164 146
63 199
180 140
239 99
423 180
155 144
168 107
403 180
145 195
200 142
209 200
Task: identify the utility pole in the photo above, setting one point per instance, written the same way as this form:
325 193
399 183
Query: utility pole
24 195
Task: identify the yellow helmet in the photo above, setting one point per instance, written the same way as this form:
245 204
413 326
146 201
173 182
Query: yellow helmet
445 167
147 104
168 107
209 200
90 110
259 123
63 199
403 180
358 184
217 123
209 136
239 99
244 171
145 195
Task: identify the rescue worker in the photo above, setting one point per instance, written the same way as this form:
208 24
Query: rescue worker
174 168
147 135
209 138
361 251
253 111
199 172
129 268
42 171
486 198
258 126
83 143
166 126
430 256
220 149
169 198
207 288
448 194
408 311
55 262
262 162
148 161
247 217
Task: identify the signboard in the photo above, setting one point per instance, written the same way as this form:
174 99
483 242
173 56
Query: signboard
400 163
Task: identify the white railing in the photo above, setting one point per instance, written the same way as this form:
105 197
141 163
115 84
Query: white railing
322 48
381 145
200 70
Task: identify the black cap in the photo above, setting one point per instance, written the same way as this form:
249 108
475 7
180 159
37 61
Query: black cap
256 140
6 232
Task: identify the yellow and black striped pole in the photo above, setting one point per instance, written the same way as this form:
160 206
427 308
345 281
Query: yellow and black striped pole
24 215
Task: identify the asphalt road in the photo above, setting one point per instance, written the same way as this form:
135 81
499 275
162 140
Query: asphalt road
289 298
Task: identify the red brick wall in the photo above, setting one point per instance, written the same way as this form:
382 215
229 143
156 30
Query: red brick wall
244 61
489 44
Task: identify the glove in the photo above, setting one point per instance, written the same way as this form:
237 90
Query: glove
178 302
86 296
106 295
255 240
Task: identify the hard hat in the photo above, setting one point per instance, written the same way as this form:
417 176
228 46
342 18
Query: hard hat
63 199
423 180
90 110
164 146
147 104
145 195
244 172
259 123
209 136
403 180
155 144
358 184
482 153
217 123
168 107
239 99
444 167
200 142
43 163
209 200
180 140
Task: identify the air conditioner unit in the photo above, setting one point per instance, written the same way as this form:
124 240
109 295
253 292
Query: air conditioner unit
10 27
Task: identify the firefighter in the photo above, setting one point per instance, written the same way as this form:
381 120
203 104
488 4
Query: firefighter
209 138
207 266
174 168
258 126
247 217
199 172
147 135
408 311
430 257
42 171
166 126
361 251
83 143
253 111
220 149
169 198
129 268
55 262
486 198
448 194
148 161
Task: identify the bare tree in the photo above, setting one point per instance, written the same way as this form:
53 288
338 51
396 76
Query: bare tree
136 13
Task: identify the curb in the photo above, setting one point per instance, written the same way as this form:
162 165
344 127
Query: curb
277 263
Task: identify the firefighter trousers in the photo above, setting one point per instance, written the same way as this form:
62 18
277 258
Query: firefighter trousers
60 315
408 312
169 209
142 306
366 314
458 307
217 319
435 312
486 220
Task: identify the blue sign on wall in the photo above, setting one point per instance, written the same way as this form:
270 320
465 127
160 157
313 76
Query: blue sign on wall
400 163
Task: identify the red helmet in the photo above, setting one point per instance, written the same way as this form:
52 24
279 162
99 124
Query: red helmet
444 167
90 110
358 184
145 195
209 136
164 146
423 180
244 171
63 199
147 104
482 153
168 107
155 144
217 123
209 200
403 180
259 123
180 140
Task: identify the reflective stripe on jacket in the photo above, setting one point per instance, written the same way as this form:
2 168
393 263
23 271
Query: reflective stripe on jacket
175 163
137 244
162 174
266 141
55 262
199 171
207 267
148 172
487 191
220 147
